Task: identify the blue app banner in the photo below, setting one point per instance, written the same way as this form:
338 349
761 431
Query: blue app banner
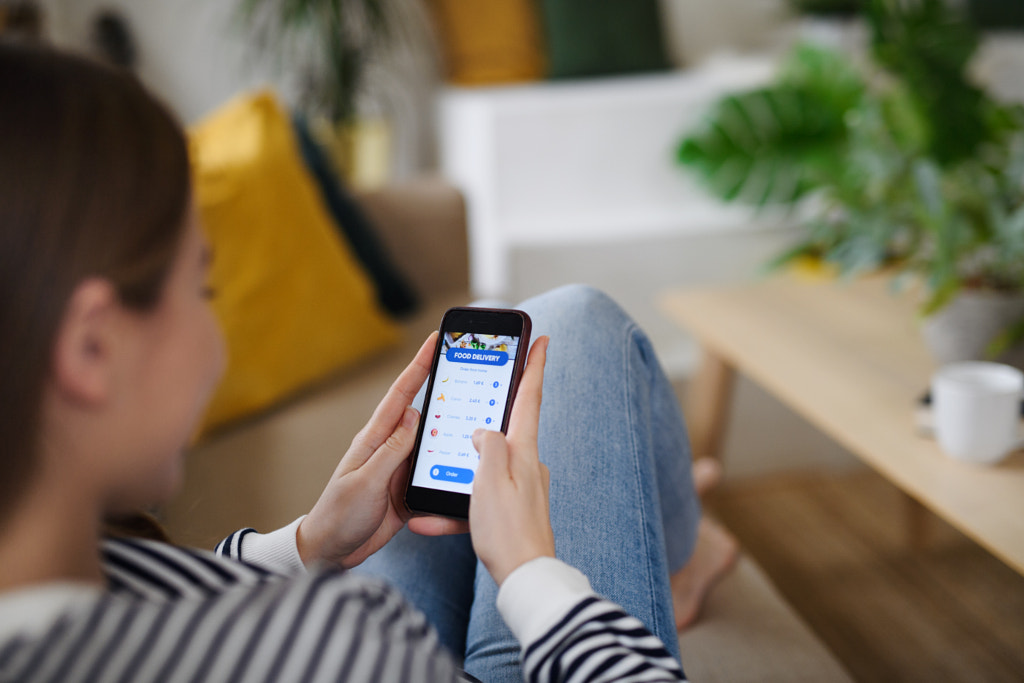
479 356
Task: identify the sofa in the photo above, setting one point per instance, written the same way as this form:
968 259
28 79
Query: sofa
268 469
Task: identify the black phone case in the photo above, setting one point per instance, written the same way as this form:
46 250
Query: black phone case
427 501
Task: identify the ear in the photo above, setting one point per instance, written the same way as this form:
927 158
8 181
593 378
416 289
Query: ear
83 359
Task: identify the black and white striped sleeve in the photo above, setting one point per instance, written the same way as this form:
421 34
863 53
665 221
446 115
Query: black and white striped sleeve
180 614
570 634
321 626
162 572
277 550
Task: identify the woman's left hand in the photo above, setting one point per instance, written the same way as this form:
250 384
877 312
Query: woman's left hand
362 506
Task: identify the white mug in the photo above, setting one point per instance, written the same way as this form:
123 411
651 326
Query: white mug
976 409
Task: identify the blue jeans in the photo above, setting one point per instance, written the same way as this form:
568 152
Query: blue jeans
623 507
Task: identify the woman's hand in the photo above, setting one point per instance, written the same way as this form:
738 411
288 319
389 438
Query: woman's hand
508 511
363 506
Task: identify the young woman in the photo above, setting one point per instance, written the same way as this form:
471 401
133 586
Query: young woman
108 353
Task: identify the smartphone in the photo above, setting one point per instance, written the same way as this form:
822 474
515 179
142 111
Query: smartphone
479 359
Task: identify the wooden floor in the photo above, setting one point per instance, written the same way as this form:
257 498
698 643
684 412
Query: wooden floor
836 547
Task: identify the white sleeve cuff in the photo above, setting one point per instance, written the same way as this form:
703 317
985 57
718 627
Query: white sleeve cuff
277 550
539 593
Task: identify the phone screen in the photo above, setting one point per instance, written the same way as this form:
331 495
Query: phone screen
470 391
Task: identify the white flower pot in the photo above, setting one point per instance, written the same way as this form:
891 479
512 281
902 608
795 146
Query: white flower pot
964 329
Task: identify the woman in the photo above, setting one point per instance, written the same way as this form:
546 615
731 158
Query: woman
109 353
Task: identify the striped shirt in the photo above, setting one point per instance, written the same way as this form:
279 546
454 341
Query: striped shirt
173 614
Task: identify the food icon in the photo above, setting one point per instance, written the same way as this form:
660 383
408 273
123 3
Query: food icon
483 342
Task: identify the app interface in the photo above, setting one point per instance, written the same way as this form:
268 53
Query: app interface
470 391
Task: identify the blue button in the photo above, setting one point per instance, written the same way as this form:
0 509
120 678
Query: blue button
479 356
492 401
457 475
495 385
488 420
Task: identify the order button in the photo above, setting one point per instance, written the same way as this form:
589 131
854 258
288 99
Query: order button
458 475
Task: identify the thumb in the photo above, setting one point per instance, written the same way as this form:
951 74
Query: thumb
494 456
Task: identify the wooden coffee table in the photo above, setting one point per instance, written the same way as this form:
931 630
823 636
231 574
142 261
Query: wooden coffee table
850 360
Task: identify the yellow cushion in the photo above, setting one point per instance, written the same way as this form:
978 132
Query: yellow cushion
489 42
293 301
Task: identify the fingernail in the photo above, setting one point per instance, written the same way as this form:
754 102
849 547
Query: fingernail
409 417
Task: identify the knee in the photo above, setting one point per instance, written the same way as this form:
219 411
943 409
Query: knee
576 305
593 326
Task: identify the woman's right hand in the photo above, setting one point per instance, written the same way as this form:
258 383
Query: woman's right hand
508 512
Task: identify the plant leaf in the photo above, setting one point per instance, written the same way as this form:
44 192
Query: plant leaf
769 146
1009 337
940 297
929 187
928 45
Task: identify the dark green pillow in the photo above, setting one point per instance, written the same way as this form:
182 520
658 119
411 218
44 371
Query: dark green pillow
602 37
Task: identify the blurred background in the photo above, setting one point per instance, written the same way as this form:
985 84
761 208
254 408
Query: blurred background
494 149
563 149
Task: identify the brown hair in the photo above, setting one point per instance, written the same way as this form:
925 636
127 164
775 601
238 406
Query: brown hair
94 182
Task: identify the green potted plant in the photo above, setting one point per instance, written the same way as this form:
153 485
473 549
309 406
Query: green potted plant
328 43
904 163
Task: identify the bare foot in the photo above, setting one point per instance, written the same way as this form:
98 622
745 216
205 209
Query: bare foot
713 557
706 473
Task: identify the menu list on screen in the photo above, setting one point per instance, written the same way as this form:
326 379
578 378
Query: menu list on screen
470 392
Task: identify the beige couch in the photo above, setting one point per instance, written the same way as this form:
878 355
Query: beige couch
267 471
